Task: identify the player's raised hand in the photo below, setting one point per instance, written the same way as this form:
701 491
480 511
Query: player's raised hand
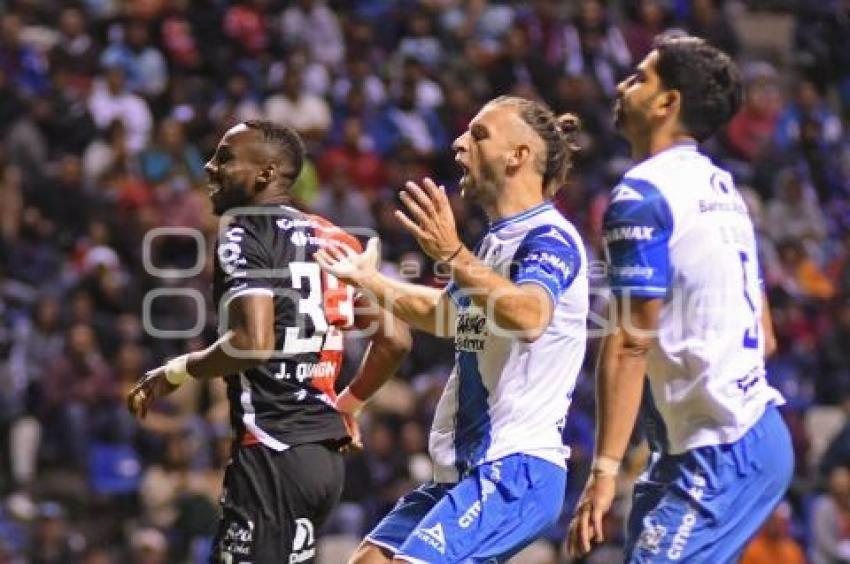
152 386
595 502
431 220
347 265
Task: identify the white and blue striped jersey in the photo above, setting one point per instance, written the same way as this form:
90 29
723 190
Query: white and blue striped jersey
676 228
506 395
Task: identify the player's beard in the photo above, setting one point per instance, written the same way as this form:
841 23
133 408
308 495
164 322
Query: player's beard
479 190
229 195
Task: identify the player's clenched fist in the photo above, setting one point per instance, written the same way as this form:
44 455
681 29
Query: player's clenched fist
152 386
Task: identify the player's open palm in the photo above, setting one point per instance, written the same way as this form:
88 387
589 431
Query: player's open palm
151 387
347 265
595 502
430 219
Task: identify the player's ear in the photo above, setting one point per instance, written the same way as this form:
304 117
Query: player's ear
669 101
265 176
518 156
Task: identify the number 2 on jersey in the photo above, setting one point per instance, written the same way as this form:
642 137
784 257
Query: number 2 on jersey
751 334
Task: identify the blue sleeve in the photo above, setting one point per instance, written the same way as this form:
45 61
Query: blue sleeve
637 228
548 256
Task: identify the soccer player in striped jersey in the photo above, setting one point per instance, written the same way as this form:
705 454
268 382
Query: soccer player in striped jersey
689 313
280 351
517 308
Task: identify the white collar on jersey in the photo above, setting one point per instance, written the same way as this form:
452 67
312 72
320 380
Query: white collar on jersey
516 218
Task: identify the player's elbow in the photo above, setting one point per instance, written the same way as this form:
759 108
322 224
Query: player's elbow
532 317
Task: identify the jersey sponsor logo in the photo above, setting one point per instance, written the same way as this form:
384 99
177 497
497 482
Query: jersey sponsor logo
238 538
433 537
287 223
629 233
689 519
541 258
298 238
708 206
302 543
651 537
625 194
230 252
471 514
633 271
471 332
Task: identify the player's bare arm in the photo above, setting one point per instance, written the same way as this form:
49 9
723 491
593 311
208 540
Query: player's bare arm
523 308
248 342
424 308
619 385
767 327
390 342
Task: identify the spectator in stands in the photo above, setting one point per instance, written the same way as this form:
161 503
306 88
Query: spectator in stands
178 39
774 542
237 103
831 520
839 268
307 113
148 546
835 352
77 386
807 104
802 277
172 159
341 202
76 51
312 23
107 153
708 21
245 25
419 42
794 212
354 153
53 541
596 47
751 132
403 123
519 65
24 65
111 100
142 63
648 18
429 94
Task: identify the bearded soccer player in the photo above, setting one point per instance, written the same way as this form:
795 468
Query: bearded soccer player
690 315
517 308
280 351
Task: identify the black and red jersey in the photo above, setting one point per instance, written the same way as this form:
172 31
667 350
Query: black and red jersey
288 399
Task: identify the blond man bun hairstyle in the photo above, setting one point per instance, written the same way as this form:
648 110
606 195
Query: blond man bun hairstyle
559 134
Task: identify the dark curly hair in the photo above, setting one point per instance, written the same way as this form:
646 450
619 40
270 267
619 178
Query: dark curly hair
559 133
707 79
288 146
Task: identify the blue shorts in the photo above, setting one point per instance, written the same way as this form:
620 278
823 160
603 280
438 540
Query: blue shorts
704 505
490 515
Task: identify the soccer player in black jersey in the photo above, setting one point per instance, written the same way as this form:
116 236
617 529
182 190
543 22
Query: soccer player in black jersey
280 320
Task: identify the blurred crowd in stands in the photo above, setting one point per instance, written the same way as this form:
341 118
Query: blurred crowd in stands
109 108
